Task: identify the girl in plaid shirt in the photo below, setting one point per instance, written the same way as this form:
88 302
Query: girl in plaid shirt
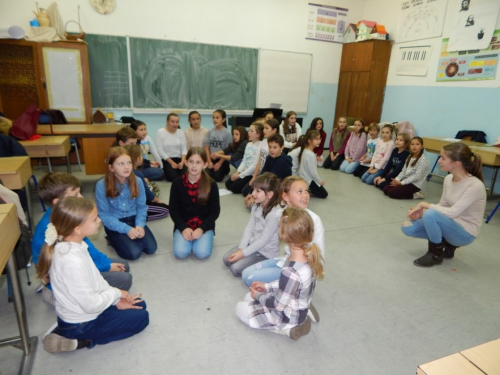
282 305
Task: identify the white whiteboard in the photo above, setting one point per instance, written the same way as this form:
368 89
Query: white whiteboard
63 72
285 78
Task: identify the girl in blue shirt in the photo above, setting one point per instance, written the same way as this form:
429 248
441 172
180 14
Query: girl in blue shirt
121 202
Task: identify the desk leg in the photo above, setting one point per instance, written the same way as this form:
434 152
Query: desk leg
27 189
493 180
68 165
27 344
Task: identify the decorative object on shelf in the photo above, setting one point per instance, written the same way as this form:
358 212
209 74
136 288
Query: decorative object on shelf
364 29
103 6
72 36
43 17
351 33
378 32
99 117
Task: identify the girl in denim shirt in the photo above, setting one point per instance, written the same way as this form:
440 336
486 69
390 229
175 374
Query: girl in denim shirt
121 202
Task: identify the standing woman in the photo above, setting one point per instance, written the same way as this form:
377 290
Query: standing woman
172 148
317 124
456 219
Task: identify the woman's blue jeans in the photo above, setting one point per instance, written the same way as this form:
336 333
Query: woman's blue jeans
111 325
201 248
434 226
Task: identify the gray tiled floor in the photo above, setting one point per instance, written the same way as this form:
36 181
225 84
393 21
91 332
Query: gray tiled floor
379 313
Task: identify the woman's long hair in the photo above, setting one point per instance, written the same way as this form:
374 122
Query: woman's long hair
471 162
205 180
111 182
268 182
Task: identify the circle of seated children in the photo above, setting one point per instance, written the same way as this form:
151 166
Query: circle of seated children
172 148
151 169
235 151
217 139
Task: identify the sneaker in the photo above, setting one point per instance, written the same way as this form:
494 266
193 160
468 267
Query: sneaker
313 313
418 195
54 343
48 296
302 330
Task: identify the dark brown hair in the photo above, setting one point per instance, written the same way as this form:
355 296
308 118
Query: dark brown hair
297 229
68 213
205 181
172 115
243 137
192 113
222 114
274 124
110 181
136 124
124 134
259 128
277 138
55 184
362 127
419 154
268 182
310 134
471 162
314 123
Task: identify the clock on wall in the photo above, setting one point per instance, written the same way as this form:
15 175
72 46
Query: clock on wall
103 6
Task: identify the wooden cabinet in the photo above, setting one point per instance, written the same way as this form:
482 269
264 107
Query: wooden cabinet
362 79
50 75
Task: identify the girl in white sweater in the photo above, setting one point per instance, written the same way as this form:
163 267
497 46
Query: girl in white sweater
456 219
172 147
409 181
308 168
89 311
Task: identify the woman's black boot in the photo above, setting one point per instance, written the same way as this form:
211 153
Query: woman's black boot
433 256
449 249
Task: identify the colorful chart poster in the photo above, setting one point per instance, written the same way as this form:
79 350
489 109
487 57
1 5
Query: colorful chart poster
470 65
326 23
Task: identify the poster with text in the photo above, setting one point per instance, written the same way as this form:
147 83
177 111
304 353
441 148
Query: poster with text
473 24
469 65
326 23
420 19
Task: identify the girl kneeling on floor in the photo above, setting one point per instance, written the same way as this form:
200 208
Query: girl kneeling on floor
282 306
89 311
260 239
194 207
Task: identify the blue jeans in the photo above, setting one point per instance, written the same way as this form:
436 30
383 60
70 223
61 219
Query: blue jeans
153 174
201 248
240 265
348 167
435 226
368 178
236 163
111 325
130 249
265 271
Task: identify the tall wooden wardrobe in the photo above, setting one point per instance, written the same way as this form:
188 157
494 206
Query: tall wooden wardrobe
362 79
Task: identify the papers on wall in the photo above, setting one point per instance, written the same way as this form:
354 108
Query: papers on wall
473 25
421 19
413 61
326 23
469 65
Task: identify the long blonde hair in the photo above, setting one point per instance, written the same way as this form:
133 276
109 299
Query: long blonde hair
68 213
297 229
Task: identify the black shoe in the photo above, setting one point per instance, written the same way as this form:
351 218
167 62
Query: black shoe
449 250
433 256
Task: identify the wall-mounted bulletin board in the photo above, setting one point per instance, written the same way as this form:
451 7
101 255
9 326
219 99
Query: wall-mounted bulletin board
154 74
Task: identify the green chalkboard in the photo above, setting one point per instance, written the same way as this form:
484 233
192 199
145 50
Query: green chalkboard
170 74
109 78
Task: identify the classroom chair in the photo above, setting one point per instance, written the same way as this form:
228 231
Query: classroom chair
492 213
56 117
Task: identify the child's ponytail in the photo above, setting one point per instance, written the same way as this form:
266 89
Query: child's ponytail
315 260
68 213
471 162
310 134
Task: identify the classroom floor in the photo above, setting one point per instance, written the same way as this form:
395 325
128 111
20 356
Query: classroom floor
379 313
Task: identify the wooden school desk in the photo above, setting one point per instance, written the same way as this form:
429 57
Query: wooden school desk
9 227
96 141
489 155
49 147
15 173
